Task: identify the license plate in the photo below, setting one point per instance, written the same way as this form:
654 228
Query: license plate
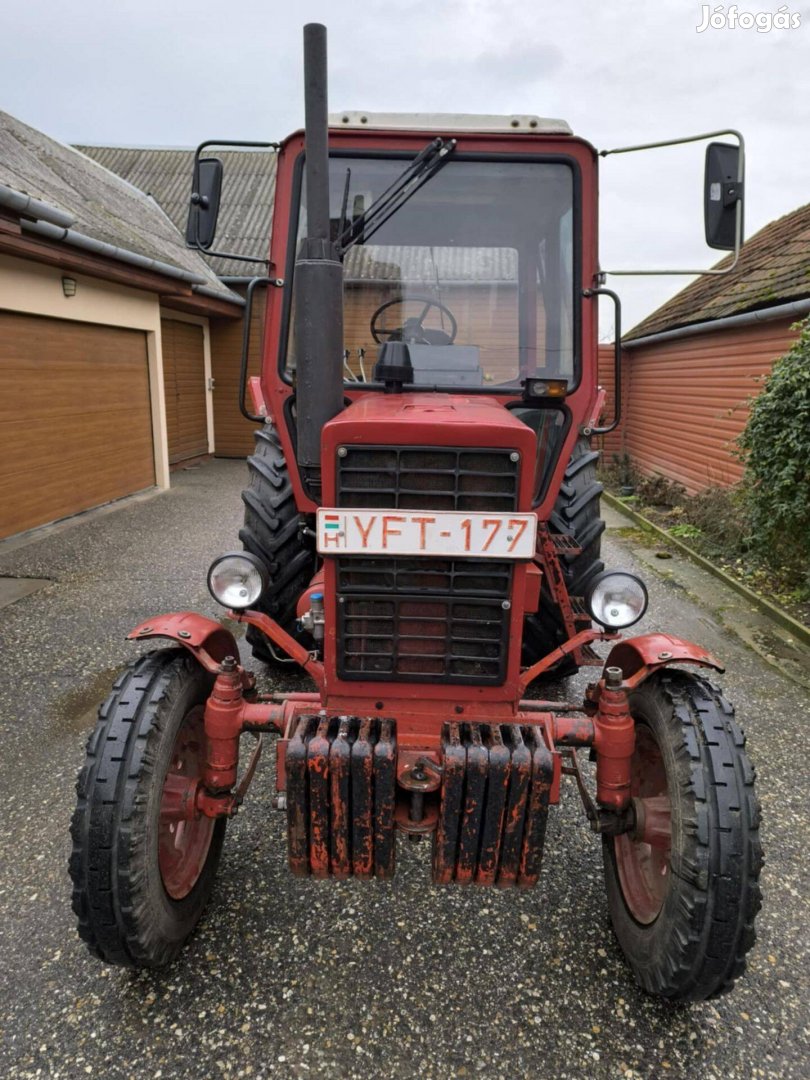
426 532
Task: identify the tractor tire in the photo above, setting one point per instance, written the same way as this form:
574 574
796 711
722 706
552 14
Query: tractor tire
140 879
272 531
576 513
683 906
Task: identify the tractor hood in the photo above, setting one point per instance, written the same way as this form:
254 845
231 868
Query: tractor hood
414 420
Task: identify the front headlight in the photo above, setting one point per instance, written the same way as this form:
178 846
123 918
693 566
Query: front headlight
616 599
237 580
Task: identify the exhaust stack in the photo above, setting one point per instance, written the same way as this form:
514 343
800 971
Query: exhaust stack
318 279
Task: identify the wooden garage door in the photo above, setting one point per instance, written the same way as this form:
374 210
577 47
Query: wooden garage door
184 386
75 418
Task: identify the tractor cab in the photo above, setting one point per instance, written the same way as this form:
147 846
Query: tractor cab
472 265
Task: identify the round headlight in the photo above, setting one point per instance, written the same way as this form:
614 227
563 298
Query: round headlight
238 579
616 599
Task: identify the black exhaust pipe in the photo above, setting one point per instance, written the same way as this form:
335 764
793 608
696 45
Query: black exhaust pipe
318 279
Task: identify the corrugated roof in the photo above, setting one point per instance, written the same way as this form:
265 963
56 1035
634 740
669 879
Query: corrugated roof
246 219
774 267
248 191
103 205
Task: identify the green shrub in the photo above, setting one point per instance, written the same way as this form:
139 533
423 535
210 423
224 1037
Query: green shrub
685 531
776 450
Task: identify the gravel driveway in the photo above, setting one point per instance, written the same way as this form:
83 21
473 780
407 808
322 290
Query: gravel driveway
291 978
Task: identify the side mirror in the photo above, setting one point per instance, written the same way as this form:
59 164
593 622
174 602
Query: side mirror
722 191
203 210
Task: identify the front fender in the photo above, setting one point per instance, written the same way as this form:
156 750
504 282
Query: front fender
207 640
639 657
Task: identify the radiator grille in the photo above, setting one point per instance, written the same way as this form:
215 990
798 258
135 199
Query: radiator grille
456 577
437 639
413 619
431 478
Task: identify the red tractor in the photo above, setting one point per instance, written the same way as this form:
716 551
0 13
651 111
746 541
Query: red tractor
422 537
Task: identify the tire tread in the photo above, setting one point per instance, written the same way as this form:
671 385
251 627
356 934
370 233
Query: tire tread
721 862
271 531
106 863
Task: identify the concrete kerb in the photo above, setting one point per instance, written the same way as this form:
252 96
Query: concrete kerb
787 622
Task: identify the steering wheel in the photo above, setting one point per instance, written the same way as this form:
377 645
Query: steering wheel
412 329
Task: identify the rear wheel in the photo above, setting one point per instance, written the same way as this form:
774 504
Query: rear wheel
683 888
272 532
576 514
141 873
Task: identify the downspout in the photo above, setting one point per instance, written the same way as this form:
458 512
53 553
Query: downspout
26 206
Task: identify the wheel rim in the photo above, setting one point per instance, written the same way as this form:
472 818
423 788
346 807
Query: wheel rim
183 840
643 857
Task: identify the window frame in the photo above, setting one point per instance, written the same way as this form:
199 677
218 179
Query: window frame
406 155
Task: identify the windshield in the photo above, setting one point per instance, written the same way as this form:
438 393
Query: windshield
474 271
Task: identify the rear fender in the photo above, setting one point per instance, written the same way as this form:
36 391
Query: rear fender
640 657
207 640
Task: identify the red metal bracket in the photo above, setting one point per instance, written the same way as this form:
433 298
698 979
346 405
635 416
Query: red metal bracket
294 649
550 561
550 548
257 395
584 637
598 406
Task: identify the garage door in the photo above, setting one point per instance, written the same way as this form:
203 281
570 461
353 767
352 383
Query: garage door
75 418
185 389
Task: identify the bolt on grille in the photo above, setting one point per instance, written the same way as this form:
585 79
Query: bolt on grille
430 478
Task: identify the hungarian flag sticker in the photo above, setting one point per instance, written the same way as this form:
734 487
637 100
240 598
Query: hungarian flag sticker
331 529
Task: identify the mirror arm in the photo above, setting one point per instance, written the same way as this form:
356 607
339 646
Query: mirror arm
617 359
685 139
740 183
677 273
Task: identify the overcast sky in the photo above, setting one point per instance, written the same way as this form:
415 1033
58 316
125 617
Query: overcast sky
173 72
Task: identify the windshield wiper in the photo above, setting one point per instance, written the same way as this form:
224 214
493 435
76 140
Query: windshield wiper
423 167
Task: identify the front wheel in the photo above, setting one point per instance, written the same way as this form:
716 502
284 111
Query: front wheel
683 888
142 874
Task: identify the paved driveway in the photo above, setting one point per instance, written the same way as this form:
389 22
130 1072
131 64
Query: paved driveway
289 978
